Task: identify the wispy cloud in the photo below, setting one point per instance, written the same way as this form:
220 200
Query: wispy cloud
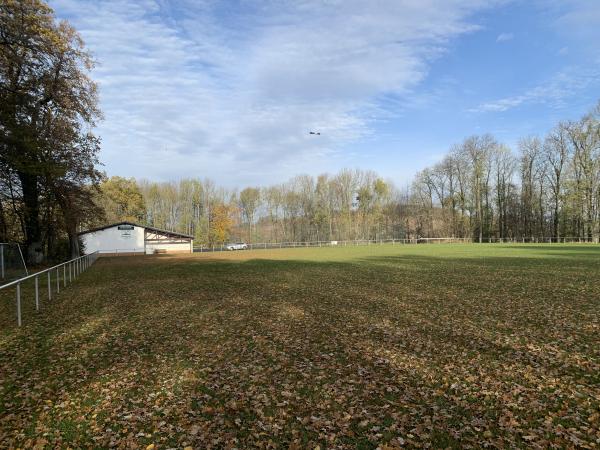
503 37
579 17
203 87
552 93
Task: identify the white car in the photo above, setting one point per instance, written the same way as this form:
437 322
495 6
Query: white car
237 246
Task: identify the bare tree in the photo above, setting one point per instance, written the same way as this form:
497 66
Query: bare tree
556 153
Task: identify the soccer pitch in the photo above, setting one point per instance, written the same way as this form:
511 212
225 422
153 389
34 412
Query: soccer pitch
357 347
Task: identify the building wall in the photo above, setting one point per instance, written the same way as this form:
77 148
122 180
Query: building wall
113 240
121 254
179 247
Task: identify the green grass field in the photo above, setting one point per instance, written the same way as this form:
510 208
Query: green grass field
363 347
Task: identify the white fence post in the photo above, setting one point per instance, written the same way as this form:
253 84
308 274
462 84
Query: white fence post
37 294
19 304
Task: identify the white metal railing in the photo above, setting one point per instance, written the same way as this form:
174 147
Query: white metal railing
449 240
71 269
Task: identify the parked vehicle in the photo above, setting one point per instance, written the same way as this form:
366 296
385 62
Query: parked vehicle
237 246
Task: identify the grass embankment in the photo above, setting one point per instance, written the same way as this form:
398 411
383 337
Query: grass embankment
451 345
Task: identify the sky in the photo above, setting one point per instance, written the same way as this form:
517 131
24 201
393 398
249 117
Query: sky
230 89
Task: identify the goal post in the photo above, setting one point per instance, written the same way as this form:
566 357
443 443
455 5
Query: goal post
12 263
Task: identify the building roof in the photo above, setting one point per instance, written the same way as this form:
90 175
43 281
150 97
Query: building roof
156 230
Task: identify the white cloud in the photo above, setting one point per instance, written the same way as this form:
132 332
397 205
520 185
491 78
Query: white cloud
552 93
579 17
195 88
503 37
577 21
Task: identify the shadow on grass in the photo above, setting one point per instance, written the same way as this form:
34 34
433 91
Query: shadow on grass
229 346
569 250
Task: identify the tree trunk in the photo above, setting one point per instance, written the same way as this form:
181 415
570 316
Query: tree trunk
73 241
31 209
556 220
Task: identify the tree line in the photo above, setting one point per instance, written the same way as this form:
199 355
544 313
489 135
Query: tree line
48 153
548 188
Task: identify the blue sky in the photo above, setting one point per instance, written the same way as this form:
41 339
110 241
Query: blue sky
230 89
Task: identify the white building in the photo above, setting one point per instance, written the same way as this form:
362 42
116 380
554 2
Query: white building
126 238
